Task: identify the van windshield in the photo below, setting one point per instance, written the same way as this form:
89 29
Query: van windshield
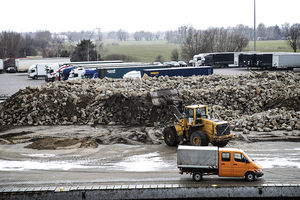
248 158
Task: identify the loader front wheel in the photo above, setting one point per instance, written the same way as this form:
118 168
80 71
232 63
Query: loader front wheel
170 136
199 138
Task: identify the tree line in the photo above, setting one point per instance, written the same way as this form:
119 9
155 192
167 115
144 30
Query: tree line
192 41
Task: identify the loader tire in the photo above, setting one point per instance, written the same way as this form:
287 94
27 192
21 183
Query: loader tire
199 138
220 144
170 136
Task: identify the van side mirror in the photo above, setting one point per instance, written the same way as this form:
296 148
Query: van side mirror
247 161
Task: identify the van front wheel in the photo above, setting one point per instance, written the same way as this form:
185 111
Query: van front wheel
250 176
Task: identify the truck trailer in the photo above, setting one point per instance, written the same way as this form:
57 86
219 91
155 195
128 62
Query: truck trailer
256 60
223 59
179 71
1 66
286 60
23 64
224 162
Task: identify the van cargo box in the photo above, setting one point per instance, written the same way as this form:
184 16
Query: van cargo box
197 157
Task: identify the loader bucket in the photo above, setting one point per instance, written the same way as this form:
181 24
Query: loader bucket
164 97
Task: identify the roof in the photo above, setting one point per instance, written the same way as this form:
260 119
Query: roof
230 149
197 147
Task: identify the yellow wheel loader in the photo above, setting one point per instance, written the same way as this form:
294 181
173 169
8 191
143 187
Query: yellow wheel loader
193 124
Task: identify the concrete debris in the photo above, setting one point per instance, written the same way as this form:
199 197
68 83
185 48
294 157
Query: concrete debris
261 102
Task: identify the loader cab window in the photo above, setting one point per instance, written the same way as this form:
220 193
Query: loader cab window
225 156
238 157
200 112
189 113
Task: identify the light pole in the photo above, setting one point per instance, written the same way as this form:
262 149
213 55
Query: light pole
254 47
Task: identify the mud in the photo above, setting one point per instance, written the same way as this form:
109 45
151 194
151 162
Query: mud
72 137
77 137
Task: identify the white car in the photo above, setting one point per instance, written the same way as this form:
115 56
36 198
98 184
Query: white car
174 64
182 64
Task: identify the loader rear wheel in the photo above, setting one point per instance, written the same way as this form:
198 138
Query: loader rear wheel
199 138
170 136
220 144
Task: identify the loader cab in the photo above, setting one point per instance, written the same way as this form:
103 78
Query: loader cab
194 114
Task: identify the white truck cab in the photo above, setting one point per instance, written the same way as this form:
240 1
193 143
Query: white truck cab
37 70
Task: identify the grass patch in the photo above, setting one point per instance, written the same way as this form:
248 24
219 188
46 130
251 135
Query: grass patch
147 51
270 46
142 51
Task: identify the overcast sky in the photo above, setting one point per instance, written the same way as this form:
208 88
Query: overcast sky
136 15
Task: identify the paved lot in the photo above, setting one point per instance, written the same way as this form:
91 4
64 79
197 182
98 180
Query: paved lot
11 83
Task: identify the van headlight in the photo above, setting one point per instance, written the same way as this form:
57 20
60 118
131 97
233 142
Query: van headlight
259 170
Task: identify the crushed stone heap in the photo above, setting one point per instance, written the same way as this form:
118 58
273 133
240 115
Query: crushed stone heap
256 101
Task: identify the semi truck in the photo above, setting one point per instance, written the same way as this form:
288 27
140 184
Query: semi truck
82 73
223 59
224 162
51 71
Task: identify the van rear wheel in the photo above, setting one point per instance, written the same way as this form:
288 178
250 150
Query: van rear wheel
250 176
197 176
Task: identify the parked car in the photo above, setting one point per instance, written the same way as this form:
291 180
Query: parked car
156 63
11 70
167 64
174 64
182 64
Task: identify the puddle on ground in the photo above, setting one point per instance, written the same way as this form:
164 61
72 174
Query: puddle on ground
39 155
144 162
136 163
278 162
9 165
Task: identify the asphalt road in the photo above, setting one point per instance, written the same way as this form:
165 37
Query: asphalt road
134 165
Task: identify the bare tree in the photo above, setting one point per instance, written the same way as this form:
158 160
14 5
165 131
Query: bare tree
175 55
9 44
285 28
212 40
294 36
122 35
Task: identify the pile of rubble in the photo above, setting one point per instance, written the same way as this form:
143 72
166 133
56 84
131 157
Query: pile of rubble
256 101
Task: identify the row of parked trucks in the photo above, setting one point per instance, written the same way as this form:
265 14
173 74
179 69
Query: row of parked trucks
109 69
248 59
